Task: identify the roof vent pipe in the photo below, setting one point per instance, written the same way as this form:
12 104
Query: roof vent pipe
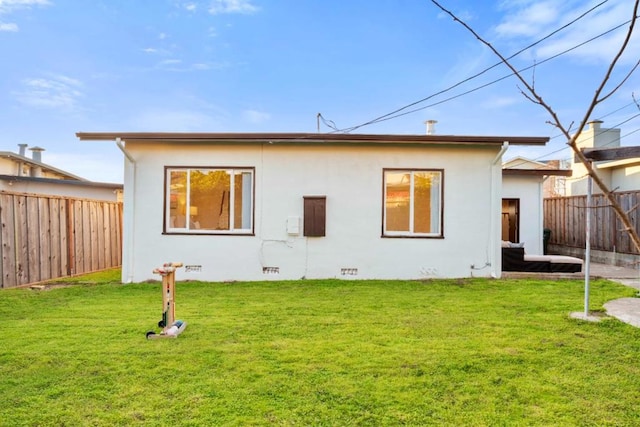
22 149
37 154
36 171
431 126
595 124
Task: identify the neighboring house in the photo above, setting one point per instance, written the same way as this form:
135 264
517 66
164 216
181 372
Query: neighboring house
21 174
295 206
523 191
621 175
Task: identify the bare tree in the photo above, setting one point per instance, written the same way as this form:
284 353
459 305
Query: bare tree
599 96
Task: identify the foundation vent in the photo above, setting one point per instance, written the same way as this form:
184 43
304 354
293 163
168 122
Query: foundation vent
270 270
348 271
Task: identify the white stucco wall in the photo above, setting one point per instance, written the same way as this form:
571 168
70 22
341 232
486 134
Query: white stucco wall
626 178
528 189
8 166
351 179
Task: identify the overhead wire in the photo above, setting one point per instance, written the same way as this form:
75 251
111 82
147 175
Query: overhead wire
400 111
390 117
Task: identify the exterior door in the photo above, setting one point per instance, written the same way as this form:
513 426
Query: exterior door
511 220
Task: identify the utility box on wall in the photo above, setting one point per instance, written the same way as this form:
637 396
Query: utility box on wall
293 225
315 213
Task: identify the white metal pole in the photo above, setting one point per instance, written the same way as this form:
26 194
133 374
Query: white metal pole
587 252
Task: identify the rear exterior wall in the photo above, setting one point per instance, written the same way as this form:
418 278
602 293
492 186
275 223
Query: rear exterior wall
351 179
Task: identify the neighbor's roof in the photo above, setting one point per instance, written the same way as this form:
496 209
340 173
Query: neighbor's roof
74 182
310 138
22 159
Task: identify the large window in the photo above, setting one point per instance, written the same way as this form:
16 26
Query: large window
209 200
412 203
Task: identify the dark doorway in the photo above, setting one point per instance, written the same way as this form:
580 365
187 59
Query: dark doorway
511 220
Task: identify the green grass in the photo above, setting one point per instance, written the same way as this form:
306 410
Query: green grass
322 353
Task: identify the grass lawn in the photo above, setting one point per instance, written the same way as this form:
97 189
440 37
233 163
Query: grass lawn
322 353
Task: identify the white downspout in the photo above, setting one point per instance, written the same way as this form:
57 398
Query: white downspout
129 209
496 207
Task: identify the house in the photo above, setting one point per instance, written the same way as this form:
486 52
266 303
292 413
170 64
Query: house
621 175
523 190
294 205
21 174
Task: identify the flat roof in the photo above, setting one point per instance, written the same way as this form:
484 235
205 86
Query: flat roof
186 137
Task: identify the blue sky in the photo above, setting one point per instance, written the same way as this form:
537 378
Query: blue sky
273 65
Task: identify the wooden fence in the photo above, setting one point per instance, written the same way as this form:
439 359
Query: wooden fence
46 237
566 218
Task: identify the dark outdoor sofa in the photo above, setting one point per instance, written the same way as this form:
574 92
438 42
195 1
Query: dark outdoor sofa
515 259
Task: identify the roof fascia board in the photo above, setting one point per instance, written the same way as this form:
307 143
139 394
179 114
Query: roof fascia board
537 172
310 138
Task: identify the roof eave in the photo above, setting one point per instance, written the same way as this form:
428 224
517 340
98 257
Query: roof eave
183 137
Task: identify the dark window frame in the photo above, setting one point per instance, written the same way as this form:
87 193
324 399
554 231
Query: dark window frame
191 232
409 235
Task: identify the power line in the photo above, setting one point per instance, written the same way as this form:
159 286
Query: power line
397 113
391 116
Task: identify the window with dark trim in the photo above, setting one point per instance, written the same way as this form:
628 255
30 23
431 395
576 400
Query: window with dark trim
209 200
315 213
412 203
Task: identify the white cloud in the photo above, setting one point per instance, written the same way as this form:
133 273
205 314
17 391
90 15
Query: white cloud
531 19
9 6
8 27
255 117
58 92
232 6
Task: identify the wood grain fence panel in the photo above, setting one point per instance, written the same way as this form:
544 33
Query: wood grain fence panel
63 245
112 236
71 236
93 227
86 236
119 230
45 237
33 238
44 225
78 237
100 229
7 239
566 216
21 240
104 229
54 226
623 236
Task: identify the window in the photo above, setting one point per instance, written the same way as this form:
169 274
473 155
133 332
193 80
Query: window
412 203
208 200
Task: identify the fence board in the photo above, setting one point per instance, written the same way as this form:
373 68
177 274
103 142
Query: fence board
33 238
7 236
45 237
54 226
